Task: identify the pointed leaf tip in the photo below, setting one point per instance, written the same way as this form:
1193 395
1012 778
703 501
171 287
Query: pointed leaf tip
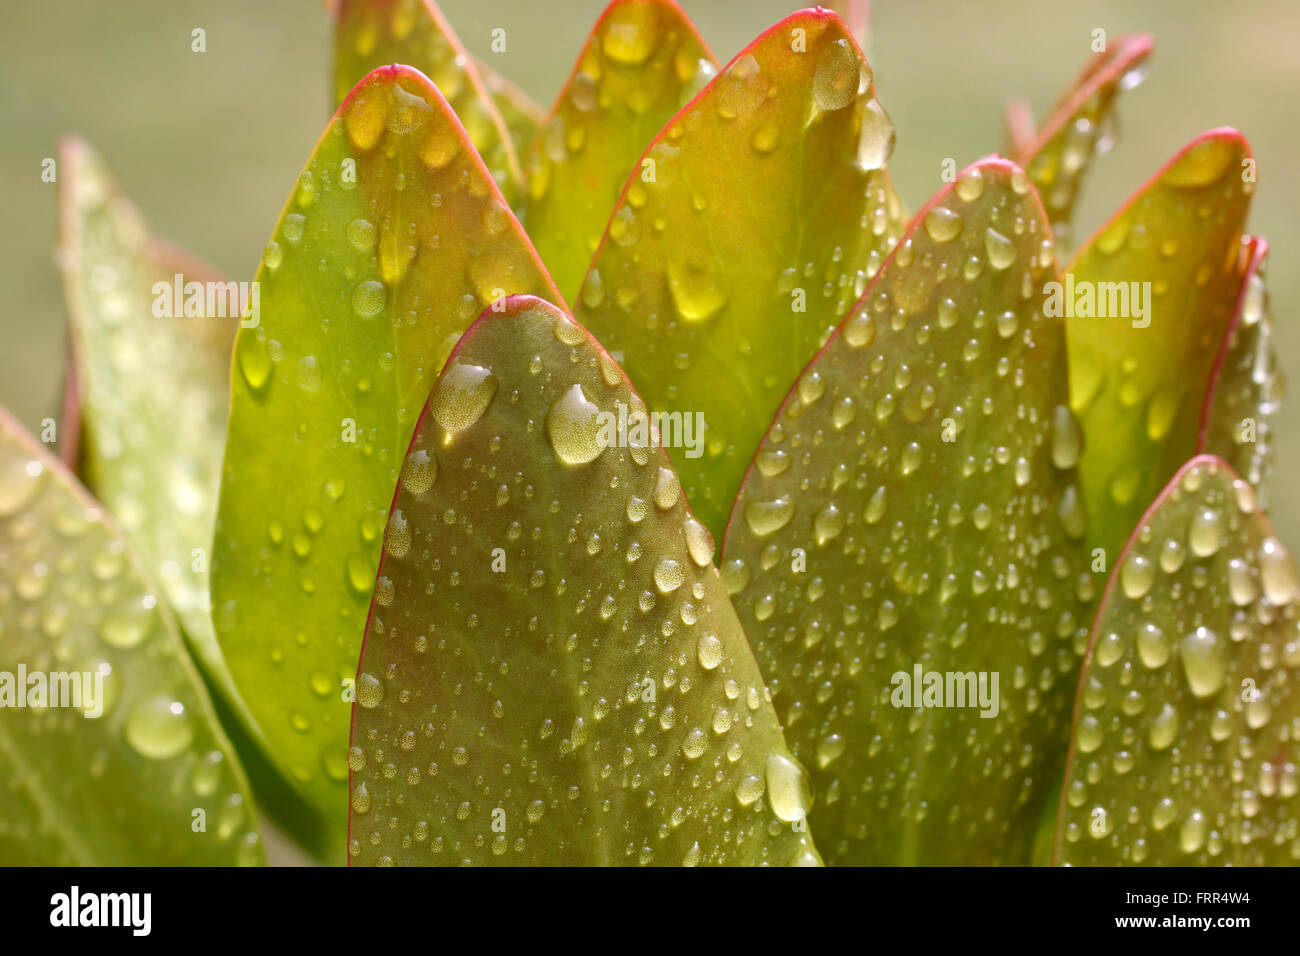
394 239
1147 301
914 510
700 264
550 650
369 34
641 64
1183 751
1080 126
1247 384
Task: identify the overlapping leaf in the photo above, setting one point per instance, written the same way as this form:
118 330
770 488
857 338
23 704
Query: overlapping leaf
393 241
552 671
523 117
769 209
1184 749
642 63
109 750
1079 126
1149 300
151 333
1247 384
374 33
914 510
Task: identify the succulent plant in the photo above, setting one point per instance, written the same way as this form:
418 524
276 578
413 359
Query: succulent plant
432 502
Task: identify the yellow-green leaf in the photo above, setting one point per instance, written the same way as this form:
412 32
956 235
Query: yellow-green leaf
523 117
1247 384
912 516
769 210
151 334
373 33
394 239
1184 749
1148 301
551 663
642 63
1079 126
109 749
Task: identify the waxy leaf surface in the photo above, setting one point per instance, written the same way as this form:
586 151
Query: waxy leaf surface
769 210
393 241
551 660
1247 385
1080 126
642 63
373 33
1184 749
105 762
1148 302
915 507
152 366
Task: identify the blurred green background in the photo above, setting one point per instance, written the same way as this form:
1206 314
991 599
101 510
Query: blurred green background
210 144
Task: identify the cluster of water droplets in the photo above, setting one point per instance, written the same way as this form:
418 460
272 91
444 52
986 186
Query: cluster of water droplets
916 502
550 639
1185 742
72 600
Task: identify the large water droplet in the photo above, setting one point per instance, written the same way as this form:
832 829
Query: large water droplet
463 395
573 427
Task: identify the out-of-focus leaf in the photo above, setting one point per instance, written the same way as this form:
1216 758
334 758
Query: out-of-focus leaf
1184 749
82 633
151 334
915 507
770 209
1138 375
523 117
393 241
1247 384
1079 126
551 663
642 63
373 33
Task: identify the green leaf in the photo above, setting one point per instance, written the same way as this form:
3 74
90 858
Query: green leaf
1247 385
121 787
641 64
523 117
1080 126
551 665
1138 377
770 196
393 241
914 506
1184 748
369 34
153 375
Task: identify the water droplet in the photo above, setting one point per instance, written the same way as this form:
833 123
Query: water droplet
942 224
697 292
768 517
1277 572
1001 251
1205 536
573 427
1204 661
419 471
158 728
836 79
789 791
369 298
463 395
